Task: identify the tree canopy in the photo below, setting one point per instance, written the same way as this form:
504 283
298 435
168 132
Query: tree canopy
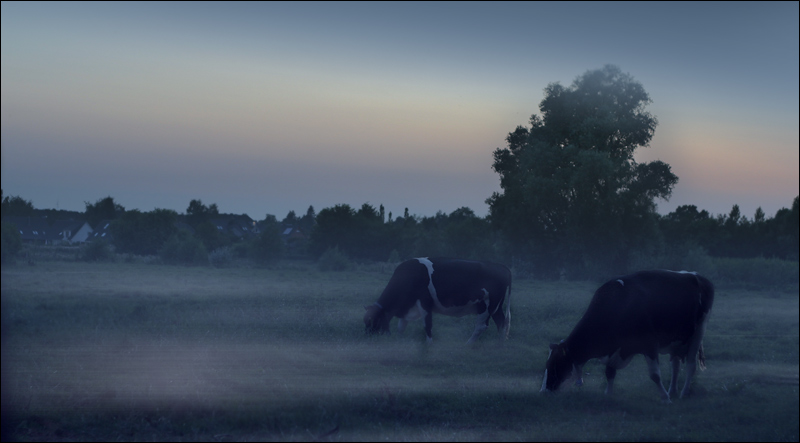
573 195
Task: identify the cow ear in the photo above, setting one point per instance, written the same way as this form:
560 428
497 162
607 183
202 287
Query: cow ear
553 346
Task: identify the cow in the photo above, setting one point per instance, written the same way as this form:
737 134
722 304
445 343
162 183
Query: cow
421 286
648 313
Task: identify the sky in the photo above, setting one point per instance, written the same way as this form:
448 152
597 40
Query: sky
265 108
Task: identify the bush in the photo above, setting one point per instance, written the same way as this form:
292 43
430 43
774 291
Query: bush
759 272
394 257
184 249
11 242
334 260
220 257
267 248
97 250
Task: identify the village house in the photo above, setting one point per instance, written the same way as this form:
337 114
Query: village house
38 230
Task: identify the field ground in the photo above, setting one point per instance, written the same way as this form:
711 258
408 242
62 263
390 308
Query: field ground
143 352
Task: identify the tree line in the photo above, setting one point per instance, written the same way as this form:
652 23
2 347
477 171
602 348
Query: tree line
574 201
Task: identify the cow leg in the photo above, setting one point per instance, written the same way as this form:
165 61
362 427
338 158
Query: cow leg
429 326
611 373
578 371
655 375
401 325
676 368
691 366
613 362
499 319
480 326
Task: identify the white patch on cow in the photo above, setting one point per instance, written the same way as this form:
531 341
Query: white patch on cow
615 360
621 282
429 264
453 311
415 313
682 272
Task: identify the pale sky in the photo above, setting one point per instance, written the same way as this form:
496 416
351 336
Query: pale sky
263 108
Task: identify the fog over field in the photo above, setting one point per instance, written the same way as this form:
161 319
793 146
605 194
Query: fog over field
131 352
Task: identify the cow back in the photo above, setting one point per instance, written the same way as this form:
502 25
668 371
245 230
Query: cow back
635 310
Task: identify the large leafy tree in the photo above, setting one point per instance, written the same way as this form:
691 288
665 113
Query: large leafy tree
573 196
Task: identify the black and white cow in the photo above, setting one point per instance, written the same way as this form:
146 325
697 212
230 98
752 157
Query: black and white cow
421 286
648 313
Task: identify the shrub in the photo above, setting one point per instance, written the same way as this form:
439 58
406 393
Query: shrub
11 242
334 260
97 250
267 248
182 248
394 257
759 272
220 257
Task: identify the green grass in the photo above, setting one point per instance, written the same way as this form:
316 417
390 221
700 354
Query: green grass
121 351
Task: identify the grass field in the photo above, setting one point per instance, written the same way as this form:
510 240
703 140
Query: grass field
142 352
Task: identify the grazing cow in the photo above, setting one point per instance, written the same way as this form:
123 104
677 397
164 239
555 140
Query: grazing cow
421 286
649 312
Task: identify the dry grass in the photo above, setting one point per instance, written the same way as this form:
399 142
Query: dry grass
138 352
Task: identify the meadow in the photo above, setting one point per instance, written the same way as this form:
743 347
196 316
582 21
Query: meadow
127 351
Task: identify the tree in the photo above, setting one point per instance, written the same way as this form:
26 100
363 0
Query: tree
198 213
307 222
359 234
686 226
143 233
267 248
16 206
573 195
335 227
102 209
290 219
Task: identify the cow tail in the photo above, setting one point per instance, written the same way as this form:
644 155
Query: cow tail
701 358
706 302
508 310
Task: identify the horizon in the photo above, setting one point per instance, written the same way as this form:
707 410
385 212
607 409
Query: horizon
274 107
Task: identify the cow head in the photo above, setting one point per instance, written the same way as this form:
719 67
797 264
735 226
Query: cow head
559 367
375 319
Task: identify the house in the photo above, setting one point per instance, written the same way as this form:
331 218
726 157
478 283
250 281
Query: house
101 232
71 231
294 239
240 226
38 230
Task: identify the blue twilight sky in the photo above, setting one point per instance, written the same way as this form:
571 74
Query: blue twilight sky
264 108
